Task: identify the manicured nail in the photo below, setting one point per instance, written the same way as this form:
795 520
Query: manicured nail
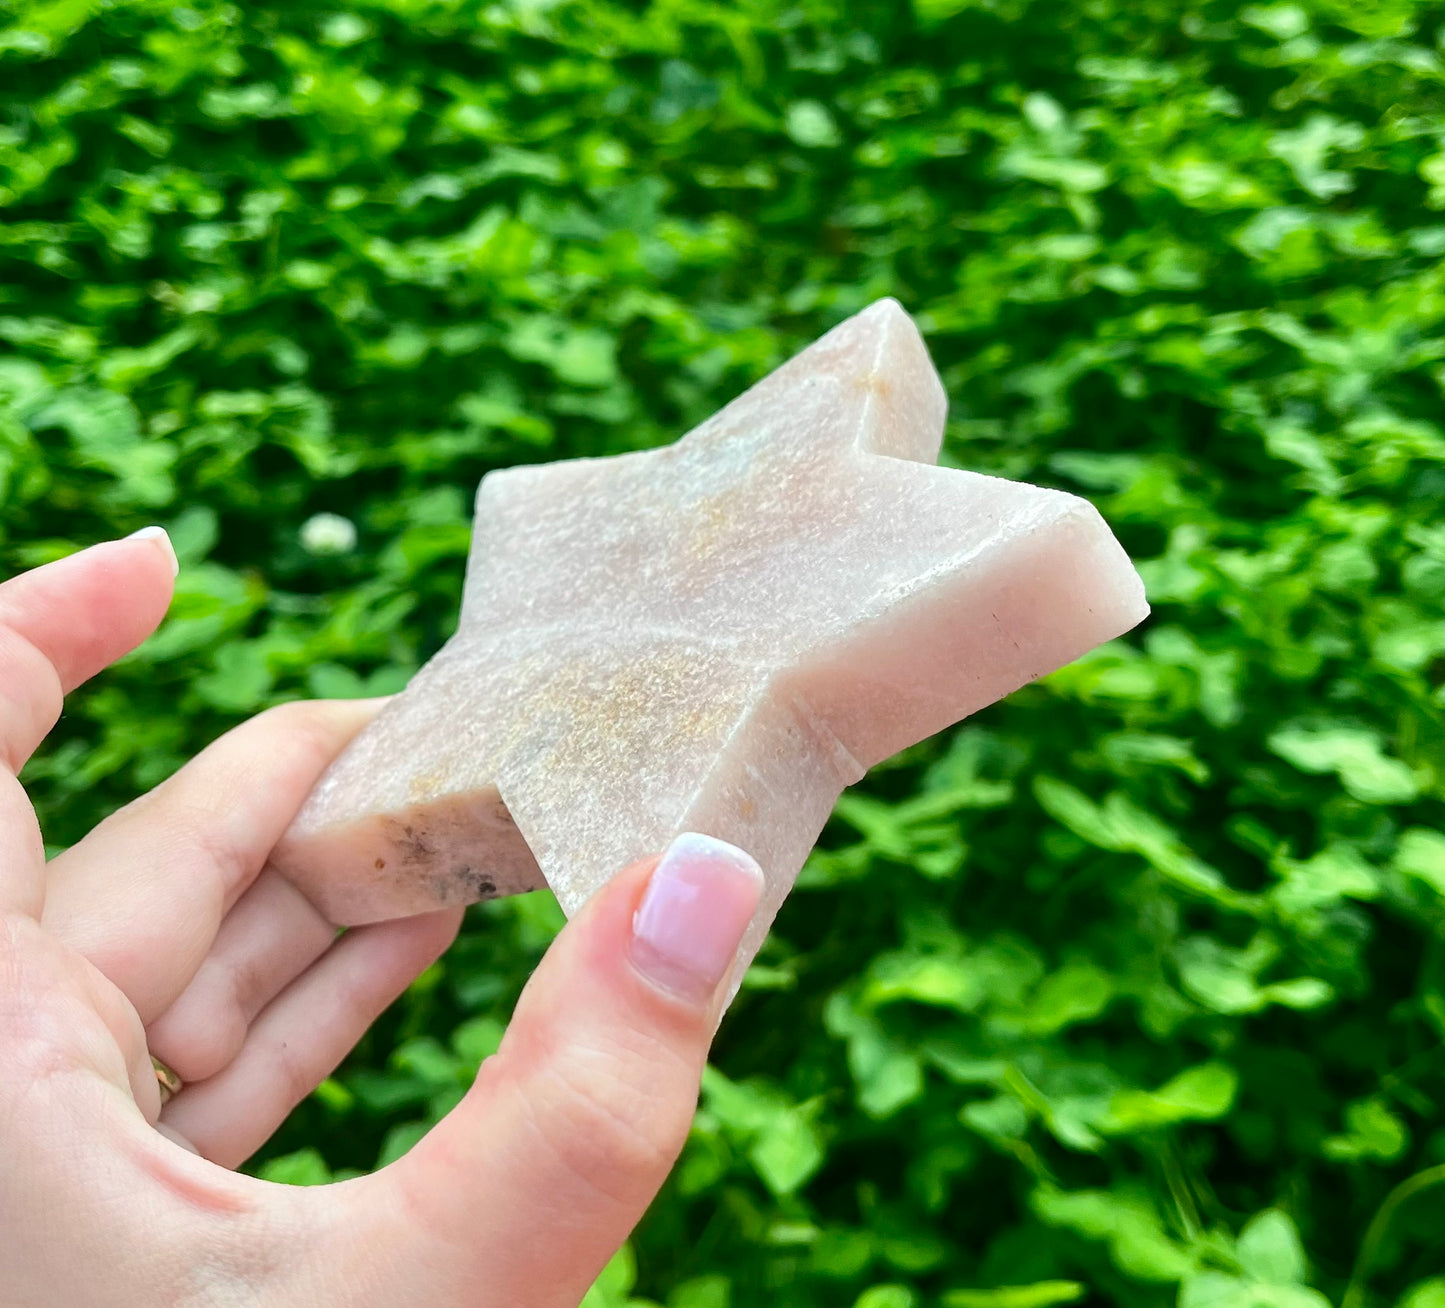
163 537
686 931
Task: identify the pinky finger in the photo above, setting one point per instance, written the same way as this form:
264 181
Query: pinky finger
301 1036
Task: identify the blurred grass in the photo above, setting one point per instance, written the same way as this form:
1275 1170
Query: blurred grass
1127 992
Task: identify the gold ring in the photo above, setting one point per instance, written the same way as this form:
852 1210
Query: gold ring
169 1082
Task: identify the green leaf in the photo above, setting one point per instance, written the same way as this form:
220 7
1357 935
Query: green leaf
1078 992
1373 1131
1128 752
1215 1290
887 1073
1269 1249
887 1296
1129 1224
612 1287
783 1144
1226 980
303 1167
1042 1294
477 1039
581 357
1003 1118
1308 148
1355 755
1119 824
241 679
124 369
1421 855
702 1292
1282 21
1425 1294
1200 1093
104 431
1079 814
787 1153
1335 873
938 979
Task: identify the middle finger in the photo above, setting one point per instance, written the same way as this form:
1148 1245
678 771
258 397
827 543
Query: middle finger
143 895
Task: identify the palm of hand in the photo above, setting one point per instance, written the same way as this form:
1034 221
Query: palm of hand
164 932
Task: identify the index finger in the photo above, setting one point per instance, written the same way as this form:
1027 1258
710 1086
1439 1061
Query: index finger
60 625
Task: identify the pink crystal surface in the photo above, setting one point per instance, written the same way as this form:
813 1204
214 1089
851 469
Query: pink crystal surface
719 636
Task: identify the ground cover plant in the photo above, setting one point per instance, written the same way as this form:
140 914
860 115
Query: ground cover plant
1130 991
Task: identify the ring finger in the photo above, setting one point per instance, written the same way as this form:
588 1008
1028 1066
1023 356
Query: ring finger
268 940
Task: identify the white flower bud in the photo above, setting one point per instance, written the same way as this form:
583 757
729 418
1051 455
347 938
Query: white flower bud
328 533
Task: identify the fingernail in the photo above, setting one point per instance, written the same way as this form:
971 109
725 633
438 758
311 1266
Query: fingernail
163 537
686 932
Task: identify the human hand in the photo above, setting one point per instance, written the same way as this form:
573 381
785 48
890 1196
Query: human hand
162 931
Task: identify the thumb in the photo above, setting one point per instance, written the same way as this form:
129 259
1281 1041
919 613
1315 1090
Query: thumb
522 1194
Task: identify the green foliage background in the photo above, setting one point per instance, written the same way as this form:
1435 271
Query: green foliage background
1129 991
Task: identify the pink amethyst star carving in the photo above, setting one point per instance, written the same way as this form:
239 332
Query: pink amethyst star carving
719 635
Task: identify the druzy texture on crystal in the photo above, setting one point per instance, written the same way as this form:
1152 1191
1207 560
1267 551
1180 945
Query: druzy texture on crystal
717 636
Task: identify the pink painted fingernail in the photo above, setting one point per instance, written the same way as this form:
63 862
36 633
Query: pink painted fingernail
686 931
162 537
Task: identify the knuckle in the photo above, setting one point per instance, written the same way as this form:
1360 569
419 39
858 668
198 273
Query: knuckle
229 865
314 729
30 692
200 1040
243 984
614 1119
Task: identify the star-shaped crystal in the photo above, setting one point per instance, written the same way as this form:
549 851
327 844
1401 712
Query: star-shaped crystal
717 636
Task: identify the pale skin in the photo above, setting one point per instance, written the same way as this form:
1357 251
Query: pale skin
163 932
